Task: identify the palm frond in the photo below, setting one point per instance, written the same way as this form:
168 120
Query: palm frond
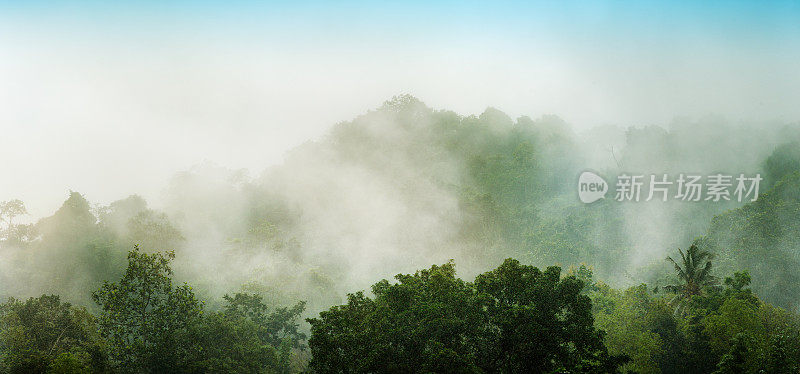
678 268
693 277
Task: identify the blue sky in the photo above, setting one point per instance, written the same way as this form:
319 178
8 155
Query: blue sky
583 20
239 83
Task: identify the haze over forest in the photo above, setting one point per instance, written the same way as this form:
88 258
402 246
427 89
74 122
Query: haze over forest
403 186
309 187
121 96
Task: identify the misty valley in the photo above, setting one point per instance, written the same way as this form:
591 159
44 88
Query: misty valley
415 240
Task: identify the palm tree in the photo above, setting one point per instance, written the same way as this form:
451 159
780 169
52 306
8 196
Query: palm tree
693 275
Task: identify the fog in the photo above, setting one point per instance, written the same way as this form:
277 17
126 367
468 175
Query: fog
113 101
260 147
210 186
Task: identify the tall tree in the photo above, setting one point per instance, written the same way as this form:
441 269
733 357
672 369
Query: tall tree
11 233
544 322
694 274
513 319
142 314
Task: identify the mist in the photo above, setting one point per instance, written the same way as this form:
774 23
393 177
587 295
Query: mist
123 99
395 189
303 152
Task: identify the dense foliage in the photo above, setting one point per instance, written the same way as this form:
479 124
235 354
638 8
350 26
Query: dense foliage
514 319
723 329
45 334
393 191
146 325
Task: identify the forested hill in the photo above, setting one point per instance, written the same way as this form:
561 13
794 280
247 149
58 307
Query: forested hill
404 186
763 237
397 190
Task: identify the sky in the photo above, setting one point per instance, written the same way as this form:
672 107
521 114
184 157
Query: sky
112 98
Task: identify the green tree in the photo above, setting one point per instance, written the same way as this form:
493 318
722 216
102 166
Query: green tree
430 321
245 337
784 160
780 359
278 327
142 315
513 319
638 326
693 275
219 343
544 322
735 361
44 334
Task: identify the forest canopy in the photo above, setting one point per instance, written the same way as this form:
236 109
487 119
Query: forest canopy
241 273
